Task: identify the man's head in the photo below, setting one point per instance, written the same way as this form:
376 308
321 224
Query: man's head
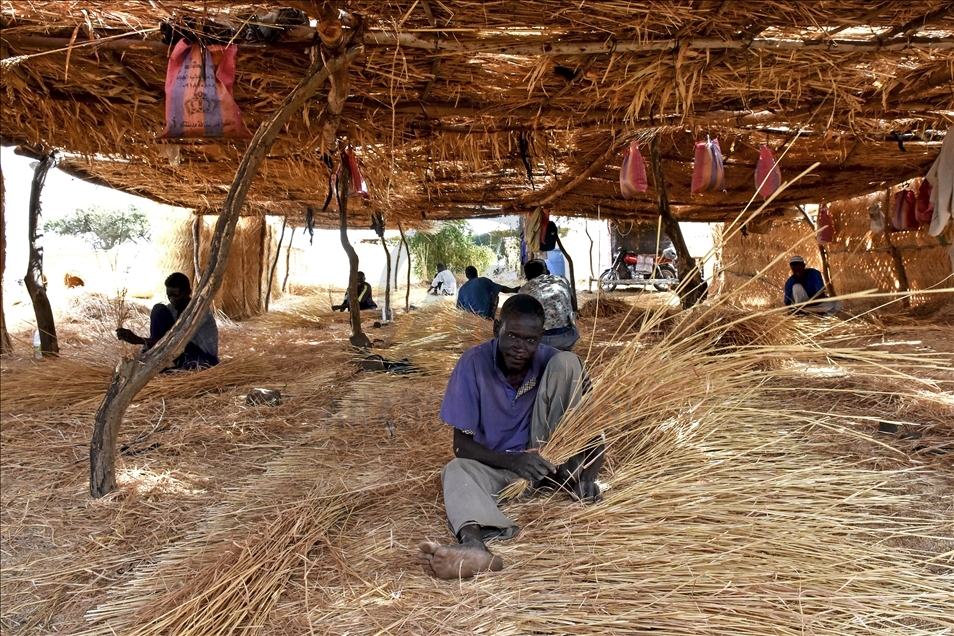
178 290
440 268
360 277
797 263
534 268
519 330
470 272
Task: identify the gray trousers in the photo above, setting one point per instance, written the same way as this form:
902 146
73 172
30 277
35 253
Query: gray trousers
471 489
799 295
563 341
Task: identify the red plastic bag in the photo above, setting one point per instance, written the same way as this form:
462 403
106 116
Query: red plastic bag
903 212
708 174
358 187
924 209
768 177
826 231
632 176
199 101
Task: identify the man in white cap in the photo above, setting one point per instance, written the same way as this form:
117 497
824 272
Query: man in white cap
805 289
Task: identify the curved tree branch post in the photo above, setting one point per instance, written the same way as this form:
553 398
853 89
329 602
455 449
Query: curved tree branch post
291 238
569 262
690 278
34 276
6 346
358 339
387 284
131 375
278 252
407 248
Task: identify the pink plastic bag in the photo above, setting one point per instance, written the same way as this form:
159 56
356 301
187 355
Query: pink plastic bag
903 214
199 101
924 209
768 177
632 176
357 187
708 174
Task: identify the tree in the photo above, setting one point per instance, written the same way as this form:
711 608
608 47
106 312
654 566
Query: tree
452 244
103 228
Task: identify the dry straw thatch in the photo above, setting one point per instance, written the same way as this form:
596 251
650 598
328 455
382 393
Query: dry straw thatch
451 106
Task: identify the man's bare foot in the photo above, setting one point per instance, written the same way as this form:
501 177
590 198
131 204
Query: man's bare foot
457 561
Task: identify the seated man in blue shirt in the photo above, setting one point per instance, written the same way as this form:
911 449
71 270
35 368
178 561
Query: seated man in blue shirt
202 351
481 295
504 399
805 288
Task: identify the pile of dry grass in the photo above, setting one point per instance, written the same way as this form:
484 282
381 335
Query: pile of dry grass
603 305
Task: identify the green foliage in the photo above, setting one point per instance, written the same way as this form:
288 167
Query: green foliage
103 228
452 244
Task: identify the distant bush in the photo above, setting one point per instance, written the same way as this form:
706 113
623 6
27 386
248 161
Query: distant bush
452 244
103 228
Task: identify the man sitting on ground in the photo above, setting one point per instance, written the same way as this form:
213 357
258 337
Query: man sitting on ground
805 289
504 399
444 284
202 351
553 292
481 295
364 297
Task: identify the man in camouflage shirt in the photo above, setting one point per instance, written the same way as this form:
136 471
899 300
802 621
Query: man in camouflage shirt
553 292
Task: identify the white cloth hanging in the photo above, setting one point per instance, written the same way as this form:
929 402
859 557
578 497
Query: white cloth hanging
941 178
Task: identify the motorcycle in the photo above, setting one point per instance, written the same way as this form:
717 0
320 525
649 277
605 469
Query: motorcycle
630 268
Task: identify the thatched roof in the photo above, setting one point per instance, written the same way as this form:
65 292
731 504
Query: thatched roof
446 94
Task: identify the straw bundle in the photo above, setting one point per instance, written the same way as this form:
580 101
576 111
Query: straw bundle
603 306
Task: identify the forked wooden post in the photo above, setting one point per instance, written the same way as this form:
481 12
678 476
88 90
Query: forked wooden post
358 339
690 278
271 273
34 276
6 346
407 249
131 375
387 282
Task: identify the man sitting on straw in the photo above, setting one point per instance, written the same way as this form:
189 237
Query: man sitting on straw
504 399
202 351
553 292
480 295
805 289
364 297
444 284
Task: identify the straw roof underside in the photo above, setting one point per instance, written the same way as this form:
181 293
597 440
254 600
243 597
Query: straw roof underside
444 93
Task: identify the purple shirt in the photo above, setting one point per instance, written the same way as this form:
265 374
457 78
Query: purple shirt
478 399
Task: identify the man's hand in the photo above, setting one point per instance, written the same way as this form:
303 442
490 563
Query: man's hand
587 491
127 335
531 465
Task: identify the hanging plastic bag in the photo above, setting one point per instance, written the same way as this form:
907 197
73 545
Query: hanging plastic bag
768 177
199 101
632 176
825 230
903 215
924 209
708 174
876 215
357 186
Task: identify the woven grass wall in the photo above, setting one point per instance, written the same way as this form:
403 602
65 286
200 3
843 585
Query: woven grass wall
242 293
859 259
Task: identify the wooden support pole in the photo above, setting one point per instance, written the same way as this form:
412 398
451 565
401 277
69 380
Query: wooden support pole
569 261
6 345
690 279
387 283
196 238
130 376
358 339
288 260
34 276
278 252
899 272
407 248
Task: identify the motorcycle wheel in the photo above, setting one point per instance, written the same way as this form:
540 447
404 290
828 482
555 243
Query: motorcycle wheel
665 271
608 280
